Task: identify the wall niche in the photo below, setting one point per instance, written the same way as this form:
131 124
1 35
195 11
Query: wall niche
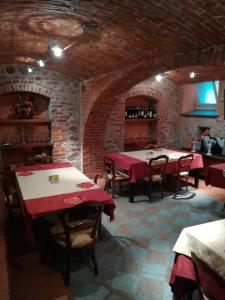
25 127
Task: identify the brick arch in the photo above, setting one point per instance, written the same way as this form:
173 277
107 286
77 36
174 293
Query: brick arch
25 87
116 87
142 91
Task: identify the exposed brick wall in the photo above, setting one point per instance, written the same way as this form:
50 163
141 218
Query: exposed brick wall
105 125
168 95
64 94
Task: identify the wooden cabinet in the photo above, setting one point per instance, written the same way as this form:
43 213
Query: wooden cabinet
23 138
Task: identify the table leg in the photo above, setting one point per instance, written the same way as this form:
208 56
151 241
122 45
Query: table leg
196 176
131 192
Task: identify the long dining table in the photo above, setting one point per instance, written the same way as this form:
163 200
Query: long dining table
50 188
207 241
136 163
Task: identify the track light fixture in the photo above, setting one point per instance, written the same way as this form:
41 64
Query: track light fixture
41 63
158 77
192 75
57 51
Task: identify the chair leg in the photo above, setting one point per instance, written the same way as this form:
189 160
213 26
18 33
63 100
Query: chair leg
186 182
120 185
93 256
113 189
178 184
162 189
150 192
67 271
100 231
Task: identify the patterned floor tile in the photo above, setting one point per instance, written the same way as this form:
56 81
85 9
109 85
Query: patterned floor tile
135 257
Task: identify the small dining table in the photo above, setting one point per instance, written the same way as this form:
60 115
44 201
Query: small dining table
207 241
136 163
50 188
216 176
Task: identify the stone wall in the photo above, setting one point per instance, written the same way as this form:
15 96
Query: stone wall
64 94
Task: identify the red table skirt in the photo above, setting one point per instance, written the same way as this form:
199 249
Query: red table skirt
183 279
215 176
138 169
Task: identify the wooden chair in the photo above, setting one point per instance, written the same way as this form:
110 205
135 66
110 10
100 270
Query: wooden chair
211 284
101 181
157 167
10 195
114 176
183 168
77 233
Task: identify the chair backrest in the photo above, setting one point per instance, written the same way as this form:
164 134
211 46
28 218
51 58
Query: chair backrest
157 165
184 162
100 180
211 284
109 166
85 216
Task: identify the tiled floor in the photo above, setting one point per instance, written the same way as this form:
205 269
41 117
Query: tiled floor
135 257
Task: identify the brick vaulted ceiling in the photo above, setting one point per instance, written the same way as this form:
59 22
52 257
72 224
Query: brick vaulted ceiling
126 32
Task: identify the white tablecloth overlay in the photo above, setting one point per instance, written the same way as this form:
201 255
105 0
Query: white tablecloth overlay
145 155
38 185
207 241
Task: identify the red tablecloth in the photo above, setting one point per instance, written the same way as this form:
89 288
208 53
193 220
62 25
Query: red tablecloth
47 205
51 204
215 176
138 169
183 279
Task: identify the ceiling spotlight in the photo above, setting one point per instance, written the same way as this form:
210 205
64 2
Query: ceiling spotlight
192 75
41 63
30 70
158 77
57 51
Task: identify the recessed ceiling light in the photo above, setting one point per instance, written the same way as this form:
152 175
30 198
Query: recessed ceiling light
158 77
192 75
57 51
30 70
41 63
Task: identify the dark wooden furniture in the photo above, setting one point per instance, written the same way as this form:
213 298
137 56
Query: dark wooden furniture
210 283
24 138
157 167
78 231
211 160
10 195
114 176
183 168
208 160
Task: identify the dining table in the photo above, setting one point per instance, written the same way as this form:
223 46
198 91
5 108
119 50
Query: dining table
206 241
136 163
215 176
49 188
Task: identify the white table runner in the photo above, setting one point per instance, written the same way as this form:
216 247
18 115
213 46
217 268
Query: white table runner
145 155
38 185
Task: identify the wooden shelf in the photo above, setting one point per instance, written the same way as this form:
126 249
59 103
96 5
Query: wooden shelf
142 120
24 121
26 145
